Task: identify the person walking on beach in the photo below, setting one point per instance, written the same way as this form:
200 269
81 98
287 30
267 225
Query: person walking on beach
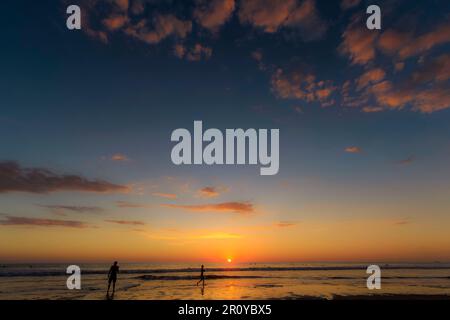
112 277
202 276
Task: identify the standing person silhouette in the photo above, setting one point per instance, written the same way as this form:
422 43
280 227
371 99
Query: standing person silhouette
112 277
202 276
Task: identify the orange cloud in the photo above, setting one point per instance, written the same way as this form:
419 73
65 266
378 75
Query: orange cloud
235 207
196 53
119 157
122 4
115 22
440 35
353 149
372 76
213 14
212 192
298 85
165 195
405 44
347 4
358 42
437 69
270 16
164 27
36 180
209 192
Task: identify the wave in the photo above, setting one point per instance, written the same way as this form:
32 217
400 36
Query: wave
30 272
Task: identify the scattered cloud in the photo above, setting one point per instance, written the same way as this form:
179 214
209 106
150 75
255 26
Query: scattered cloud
370 77
296 84
119 157
164 26
115 22
24 221
353 149
208 192
212 192
196 53
402 222
127 222
61 209
271 16
164 195
347 4
285 224
126 204
14 178
212 14
234 207
358 43
406 161
405 44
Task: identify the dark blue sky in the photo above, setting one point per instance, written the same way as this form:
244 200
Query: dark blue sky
363 115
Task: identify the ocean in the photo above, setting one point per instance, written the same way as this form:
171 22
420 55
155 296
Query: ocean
240 281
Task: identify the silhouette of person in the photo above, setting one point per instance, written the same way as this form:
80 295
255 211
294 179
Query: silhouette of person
202 276
112 277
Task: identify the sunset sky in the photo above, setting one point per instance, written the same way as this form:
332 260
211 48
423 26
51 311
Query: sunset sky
86 118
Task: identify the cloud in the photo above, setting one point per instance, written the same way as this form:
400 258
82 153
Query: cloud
399 66
426 99
361 45
369 109
353 149
23 221
137 7
164 26
126 204
165 195
407 161
358 43
122 4
369 77
208 192
212 14
115 22
406 44
347 4
127 222
285 224
296 84
60 209
119 157
402 222
15 178
270 16
212 192
234 207
437 70
195 53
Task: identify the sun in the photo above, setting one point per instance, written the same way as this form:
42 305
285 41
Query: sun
229 260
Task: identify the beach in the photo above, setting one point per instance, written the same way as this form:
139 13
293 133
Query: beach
240 281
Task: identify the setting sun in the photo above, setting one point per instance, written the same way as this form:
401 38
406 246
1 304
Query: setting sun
229 260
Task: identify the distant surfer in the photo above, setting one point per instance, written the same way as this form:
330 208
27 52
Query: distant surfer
202 276
112 277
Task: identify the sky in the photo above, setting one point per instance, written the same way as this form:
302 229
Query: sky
86 118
